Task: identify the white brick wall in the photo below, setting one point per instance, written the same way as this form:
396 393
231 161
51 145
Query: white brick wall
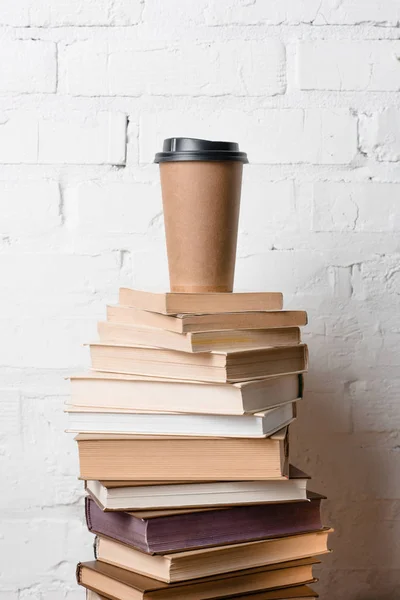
311 90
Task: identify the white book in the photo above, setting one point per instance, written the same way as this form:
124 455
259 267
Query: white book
258 425
131 393
128 496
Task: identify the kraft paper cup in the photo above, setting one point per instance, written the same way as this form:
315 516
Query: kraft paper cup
201 185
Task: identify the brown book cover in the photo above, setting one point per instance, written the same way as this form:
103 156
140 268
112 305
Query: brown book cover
298 592
112 581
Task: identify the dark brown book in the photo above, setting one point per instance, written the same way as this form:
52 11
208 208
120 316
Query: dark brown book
116 583
157 532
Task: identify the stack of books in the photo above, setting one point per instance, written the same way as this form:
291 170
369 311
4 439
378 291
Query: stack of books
183 445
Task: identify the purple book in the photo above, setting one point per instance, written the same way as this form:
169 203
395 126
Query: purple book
158 532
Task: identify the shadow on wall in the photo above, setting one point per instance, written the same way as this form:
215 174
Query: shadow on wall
343 439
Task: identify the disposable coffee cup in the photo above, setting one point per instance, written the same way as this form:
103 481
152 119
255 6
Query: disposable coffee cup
201 184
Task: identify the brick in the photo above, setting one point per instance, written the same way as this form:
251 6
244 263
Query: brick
380 135
356 206
30 13
37 201
237 12
208 69
118 207
10 412
279 205
347 12
325 65
19 545
75 139
28 66
48 343
58 284
177 17
269 136
353 12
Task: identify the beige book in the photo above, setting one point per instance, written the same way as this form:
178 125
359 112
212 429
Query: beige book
203 366
170 303
117 583
187 323
95 391
125 457
205 341
191 564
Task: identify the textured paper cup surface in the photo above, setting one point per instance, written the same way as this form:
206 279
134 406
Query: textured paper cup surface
201 203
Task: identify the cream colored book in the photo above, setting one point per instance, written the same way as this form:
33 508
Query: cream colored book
191 323
202 366
129 457
191 564
122 392
250 426
172 303
137 495
204 341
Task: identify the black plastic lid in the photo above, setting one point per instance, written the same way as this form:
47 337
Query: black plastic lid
186 149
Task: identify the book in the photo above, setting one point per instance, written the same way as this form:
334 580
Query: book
298 592
192 564
192 323
156 532
128 457
96 391
130 495
204 366
203 341
170 303
117 583
258 425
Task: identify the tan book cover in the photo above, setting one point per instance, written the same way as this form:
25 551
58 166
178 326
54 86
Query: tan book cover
204 366
191 564
205 341
172 303
124 457
192 323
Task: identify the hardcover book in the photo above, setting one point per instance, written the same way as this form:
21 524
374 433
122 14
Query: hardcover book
207 322
124 457
96 391
192 564
117 583
131 495
156 532
204 366
175 303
